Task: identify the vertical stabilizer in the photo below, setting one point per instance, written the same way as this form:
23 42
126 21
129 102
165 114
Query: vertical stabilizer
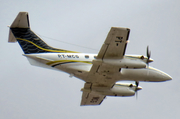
30 42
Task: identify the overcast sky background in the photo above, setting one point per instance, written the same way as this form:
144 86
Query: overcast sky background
29 92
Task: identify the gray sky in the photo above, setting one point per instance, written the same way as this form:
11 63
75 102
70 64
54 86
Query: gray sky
28 92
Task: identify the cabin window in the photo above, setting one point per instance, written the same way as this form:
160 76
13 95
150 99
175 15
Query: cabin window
95 57
86 56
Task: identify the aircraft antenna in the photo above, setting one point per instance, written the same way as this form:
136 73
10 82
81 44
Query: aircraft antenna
67 42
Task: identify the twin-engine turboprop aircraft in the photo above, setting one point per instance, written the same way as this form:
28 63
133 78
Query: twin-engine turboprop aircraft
99 71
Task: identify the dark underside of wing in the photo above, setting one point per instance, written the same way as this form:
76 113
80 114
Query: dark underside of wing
91 98
115 43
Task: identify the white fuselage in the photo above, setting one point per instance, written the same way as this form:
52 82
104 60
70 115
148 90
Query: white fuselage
79 64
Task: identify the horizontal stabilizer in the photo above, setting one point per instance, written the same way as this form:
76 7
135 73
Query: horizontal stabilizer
11 37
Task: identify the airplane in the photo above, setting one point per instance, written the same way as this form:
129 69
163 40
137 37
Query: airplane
100 72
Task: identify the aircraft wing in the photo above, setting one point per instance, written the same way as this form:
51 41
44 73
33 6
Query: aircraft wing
113 48
91 98
102 75
115 43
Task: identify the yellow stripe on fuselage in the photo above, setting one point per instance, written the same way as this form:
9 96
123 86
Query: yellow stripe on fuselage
64 61
65 51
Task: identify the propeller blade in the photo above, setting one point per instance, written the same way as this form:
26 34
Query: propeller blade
137 83
136 89
148 53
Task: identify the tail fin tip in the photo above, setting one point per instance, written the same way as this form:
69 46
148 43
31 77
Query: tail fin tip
21 21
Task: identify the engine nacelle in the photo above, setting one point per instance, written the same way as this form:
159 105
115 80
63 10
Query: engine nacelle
124 89
125 63
122 63
119 89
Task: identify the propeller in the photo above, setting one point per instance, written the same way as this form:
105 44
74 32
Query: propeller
148 53
137 83
136 89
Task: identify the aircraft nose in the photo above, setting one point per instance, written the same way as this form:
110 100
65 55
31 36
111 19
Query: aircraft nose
167 77
157 75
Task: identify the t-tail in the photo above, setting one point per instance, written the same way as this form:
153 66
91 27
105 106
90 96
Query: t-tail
30 42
